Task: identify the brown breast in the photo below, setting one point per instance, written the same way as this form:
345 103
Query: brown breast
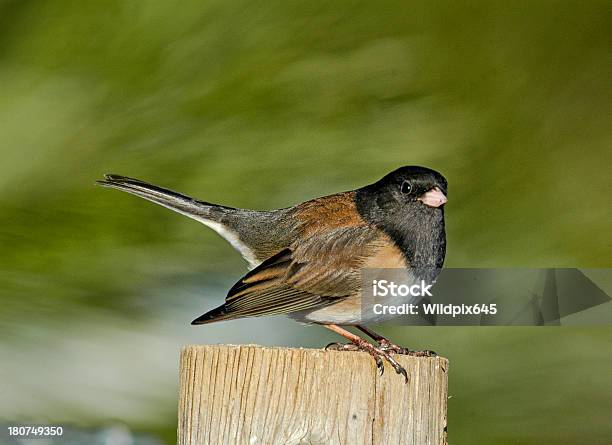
388 256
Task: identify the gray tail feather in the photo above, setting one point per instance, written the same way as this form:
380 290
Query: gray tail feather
198 210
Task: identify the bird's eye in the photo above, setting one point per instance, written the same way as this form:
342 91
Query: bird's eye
406 187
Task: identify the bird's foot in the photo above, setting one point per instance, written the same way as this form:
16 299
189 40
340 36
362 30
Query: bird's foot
342 347
377 353
388 346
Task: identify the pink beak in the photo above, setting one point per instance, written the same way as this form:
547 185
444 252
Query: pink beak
433 198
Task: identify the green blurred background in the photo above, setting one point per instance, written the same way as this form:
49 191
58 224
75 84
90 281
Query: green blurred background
265 104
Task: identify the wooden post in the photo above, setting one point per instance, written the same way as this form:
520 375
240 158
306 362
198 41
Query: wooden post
258 395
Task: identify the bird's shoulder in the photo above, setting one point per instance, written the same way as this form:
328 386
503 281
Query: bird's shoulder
327 213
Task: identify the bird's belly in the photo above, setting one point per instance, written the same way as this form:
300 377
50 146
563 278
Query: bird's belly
344 312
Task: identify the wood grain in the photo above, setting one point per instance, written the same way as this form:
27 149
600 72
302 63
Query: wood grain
258 395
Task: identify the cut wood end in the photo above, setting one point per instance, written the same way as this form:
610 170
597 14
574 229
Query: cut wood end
314 353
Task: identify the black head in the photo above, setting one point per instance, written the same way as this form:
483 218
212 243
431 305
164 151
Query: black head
408 204
411 188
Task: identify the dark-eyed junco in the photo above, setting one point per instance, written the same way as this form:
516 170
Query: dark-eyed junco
307 259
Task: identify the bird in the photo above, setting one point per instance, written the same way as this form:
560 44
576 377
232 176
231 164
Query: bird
306 261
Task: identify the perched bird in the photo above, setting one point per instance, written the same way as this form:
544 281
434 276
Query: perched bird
307 259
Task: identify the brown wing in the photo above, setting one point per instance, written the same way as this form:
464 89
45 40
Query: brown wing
316 271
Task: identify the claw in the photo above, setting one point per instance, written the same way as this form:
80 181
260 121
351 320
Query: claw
398 368
424 353
377 353
402 371
386 345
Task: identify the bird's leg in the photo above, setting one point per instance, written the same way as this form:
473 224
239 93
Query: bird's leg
387 345
377 353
